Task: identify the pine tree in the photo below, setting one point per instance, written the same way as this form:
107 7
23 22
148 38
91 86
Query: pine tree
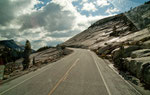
27 52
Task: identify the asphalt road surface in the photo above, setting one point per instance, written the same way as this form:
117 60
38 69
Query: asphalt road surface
80 73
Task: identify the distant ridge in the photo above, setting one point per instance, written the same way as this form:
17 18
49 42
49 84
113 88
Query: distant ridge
12 44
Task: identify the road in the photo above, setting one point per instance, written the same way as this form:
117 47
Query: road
80 73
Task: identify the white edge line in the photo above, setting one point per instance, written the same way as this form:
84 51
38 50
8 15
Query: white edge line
28 79
125 81
24 81
1 93
102 76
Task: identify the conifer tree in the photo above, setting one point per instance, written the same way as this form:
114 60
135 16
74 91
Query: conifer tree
27 52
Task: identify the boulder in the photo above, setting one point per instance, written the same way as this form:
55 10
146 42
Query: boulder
146 73
116 53
103 49
129 49
146 44
117 57
140 67
140 53
124 52
107 49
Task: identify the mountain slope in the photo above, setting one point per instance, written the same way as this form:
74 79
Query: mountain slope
127 23
124 39
12 44
100 31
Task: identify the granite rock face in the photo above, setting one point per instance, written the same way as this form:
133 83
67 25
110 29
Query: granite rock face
124 39
140 67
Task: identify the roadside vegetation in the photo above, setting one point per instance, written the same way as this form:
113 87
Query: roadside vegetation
18 63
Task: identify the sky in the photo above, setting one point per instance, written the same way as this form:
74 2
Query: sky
51 22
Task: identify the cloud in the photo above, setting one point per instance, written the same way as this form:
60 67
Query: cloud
102 3
10 9
89 7
112 10
52 18
83 1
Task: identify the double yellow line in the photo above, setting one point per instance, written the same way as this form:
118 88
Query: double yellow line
63 77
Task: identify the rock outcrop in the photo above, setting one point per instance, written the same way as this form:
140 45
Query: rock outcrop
140 67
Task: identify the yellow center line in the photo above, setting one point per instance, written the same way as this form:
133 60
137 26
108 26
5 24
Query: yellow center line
63 77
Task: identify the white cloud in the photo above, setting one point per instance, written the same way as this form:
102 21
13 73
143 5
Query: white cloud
24 6
89 7
112 10
83 1
102 3
10 9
